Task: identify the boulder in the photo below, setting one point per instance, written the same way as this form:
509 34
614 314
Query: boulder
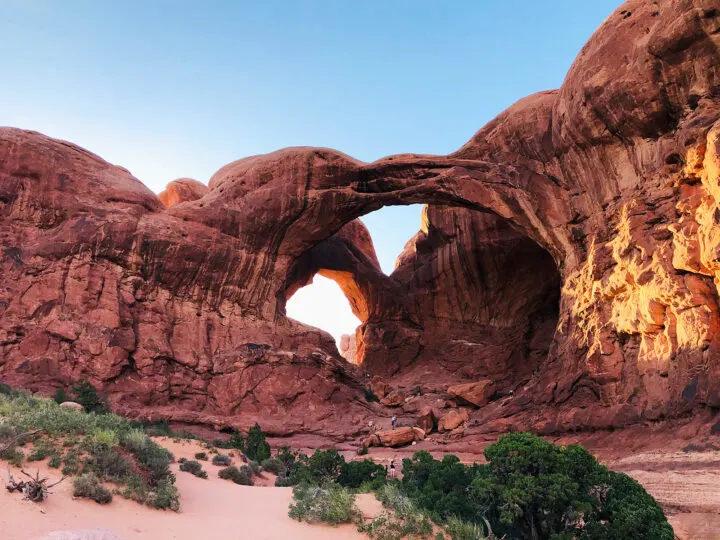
452 419
476 393
399 437
394 399
426 420
72 405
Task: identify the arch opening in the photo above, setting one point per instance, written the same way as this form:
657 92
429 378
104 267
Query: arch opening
470 296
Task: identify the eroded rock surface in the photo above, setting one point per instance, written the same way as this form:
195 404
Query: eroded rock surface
569 255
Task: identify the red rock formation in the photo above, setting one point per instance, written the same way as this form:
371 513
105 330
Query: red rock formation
180 311
182 190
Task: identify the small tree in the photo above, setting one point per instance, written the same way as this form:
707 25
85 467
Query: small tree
237 441
256 447
87 396
61 396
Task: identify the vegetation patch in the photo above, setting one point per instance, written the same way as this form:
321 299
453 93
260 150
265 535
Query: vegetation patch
531 488
240 476
331 504
194 468
89 486
222 460
111 448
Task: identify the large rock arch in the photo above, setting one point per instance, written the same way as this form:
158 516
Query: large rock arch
178 311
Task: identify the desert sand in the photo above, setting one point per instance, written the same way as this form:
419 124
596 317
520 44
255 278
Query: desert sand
212 509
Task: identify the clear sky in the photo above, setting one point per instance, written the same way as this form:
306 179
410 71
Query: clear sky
173 88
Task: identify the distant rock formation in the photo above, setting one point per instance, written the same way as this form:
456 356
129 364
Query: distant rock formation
348 347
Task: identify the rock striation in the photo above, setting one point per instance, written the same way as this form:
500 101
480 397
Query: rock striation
568 255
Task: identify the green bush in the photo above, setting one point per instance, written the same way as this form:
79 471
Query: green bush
531 488
256 447
464 530
107 463
112 448
354 474
86 395
222 460
325 465
363 451
88 486
401 519
239 476
237 441
284 481
164 496
43 449
55 461
331 504
202 456
14 456
273 465
61 396
193 467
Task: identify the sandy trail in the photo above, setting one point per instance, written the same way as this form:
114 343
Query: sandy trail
212 509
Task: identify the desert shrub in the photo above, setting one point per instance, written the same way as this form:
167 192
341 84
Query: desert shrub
400 519
239 476
112 448
236 441
89 486
273 465
135 440
222 460
107 463
202 456
164 496
284 481
367 473
160 428
531 488
464 530
55 461
325 465
14 456
331 504
256 447
105 437
363 451
86 395
156 460
43 449
193 467
440 487
61 396
254 467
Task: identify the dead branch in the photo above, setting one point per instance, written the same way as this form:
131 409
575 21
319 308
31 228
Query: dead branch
35 490
14 440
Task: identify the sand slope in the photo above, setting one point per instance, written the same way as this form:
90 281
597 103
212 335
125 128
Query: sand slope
212 509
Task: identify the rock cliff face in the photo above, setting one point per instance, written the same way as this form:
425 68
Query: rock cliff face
569 253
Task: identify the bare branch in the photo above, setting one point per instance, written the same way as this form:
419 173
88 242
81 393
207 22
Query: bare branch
15 439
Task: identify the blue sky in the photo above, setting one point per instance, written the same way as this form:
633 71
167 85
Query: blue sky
179 88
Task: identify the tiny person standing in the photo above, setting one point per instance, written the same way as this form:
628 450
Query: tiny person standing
393 420
392 468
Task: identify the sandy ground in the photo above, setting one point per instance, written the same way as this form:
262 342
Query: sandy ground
686 484
212 509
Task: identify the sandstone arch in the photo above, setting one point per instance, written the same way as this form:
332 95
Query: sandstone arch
615 175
